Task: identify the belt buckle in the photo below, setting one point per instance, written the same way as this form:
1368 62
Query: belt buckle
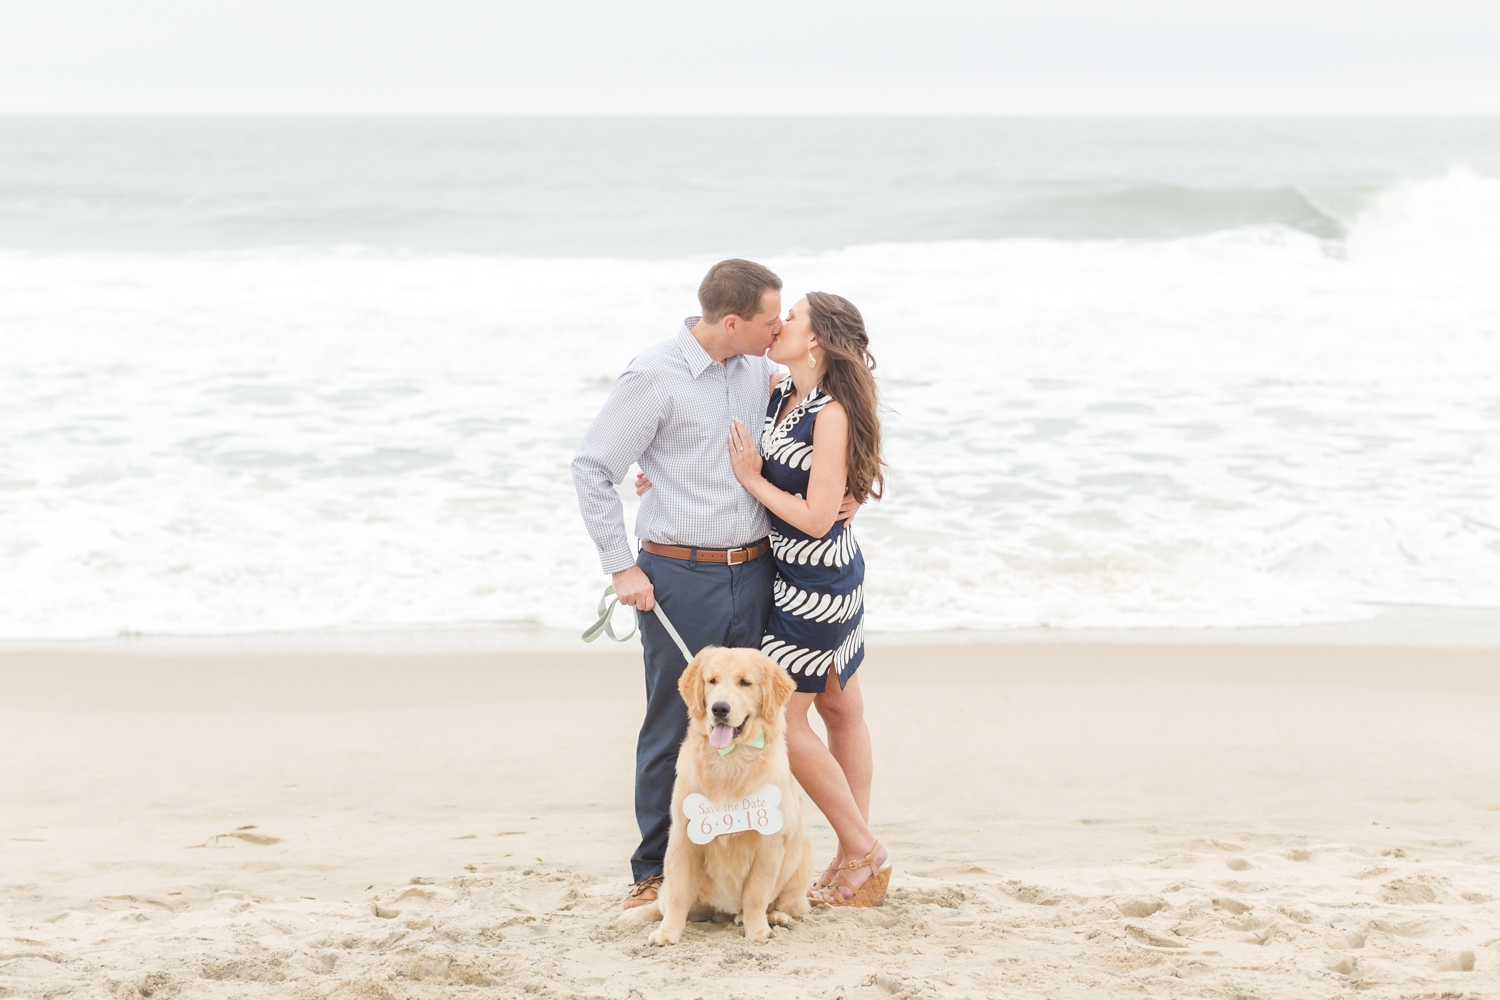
729 556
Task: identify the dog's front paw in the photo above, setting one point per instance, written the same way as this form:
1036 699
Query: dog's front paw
661 937
779 919
759 935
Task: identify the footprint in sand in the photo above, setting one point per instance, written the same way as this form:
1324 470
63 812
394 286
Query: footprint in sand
1139 907
1145 937
242 833
1340 964
1409 890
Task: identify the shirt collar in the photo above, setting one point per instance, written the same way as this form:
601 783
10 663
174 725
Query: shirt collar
697 358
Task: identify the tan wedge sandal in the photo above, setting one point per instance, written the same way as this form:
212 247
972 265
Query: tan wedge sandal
870 893
821 883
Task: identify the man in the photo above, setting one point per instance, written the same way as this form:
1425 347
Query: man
704 549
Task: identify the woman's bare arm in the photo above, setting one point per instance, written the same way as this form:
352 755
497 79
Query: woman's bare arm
815 514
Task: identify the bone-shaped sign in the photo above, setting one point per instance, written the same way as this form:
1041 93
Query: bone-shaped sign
758 811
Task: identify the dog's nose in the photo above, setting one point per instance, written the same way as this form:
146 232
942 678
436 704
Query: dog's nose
721 710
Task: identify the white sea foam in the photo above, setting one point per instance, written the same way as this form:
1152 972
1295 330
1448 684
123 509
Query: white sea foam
1249 427
1457 217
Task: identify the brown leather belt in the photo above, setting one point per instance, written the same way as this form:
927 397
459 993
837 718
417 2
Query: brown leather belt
734 557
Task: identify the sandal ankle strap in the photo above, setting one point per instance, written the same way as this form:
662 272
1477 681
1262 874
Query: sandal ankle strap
866 862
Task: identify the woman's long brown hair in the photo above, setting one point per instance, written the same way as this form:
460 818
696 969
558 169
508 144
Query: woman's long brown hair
849 377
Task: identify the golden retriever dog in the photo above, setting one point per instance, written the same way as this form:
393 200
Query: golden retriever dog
736 846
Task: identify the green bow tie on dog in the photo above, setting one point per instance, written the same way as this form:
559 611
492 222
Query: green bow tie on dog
759 743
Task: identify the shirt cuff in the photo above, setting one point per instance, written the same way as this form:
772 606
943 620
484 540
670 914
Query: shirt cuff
617 559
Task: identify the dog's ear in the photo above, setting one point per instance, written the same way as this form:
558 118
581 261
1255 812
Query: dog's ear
779 686
690 684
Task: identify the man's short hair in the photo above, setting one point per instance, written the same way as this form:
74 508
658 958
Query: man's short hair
735 286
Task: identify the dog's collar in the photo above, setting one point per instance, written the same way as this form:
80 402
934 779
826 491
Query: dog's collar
759 743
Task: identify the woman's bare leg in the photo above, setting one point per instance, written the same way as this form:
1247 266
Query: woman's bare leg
843 713
823 776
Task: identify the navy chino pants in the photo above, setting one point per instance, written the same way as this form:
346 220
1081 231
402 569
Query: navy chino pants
710 604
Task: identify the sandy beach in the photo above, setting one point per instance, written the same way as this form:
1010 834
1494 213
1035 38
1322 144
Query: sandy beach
1066 820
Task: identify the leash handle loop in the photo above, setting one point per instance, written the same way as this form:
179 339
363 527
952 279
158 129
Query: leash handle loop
605 624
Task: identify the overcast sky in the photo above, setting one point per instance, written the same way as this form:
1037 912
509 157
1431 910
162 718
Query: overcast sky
778 56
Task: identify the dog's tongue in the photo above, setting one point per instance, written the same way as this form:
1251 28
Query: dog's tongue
721 737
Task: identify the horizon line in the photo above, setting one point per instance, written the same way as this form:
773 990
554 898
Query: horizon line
909 115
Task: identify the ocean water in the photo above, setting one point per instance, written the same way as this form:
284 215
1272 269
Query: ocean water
289 375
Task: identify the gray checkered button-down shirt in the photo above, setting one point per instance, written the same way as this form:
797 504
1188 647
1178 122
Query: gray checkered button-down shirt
670 411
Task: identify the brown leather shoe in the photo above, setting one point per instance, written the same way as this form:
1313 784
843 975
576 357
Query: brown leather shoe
643 892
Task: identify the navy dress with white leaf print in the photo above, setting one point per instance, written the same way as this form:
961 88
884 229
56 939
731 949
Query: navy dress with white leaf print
818 622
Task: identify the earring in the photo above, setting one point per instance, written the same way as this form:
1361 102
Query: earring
812 362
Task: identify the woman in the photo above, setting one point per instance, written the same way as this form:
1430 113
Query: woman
821 437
